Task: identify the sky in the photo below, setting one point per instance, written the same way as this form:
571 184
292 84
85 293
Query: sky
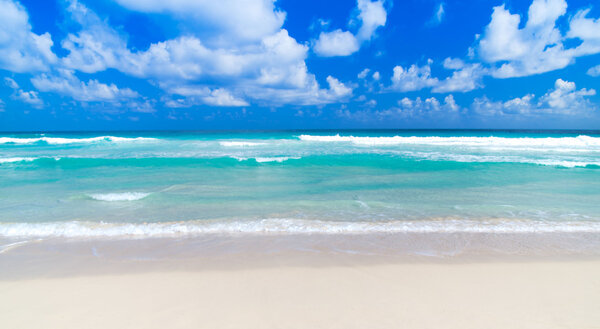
264 64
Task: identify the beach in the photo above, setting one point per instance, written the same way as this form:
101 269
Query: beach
362 229
72 288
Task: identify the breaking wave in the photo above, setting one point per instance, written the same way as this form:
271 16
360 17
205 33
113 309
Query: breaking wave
579 141
62 140
125 196
287 226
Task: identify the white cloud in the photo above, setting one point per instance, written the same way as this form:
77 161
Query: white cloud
413 78
563 99
336 43
418 107
438 15
21 50
594 71
203 95
587 30
465 79
372 15
376 76
363 74
68 84
338 88
29 97
245 20
311 94
273 65
538 46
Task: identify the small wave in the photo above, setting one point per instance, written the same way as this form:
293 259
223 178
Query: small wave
125 196
62 140
17 159
287 226
266 159
579 141
239 144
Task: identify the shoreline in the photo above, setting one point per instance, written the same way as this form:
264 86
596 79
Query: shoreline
252 282
308 291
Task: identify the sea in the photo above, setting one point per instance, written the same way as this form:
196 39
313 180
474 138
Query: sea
137 185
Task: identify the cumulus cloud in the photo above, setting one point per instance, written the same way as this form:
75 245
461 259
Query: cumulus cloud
418 107
563 99
336 43
28 97
413 78
21 50
363 74
594 71
465 77
407 108
228 75
538 46
372 15
67 84
248 20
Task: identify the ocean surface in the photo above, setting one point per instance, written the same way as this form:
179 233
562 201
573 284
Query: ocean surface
155 184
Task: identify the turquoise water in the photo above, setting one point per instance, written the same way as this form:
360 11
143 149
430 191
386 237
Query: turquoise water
157 183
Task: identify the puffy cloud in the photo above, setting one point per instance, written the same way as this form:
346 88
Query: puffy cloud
594 71
311 94
203 95
336 43
464 79
248 20
227 75
21 50
67 84
587 30
563 99
413 78
29 97
363 74
376 76
418 107
372 15
538 46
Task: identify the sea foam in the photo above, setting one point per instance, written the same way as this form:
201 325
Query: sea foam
62 140
579 141
266 159
75 229
239 144
16 159
125 196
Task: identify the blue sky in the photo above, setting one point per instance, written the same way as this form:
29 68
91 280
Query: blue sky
263 64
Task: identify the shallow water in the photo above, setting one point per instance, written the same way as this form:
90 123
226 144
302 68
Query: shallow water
298 182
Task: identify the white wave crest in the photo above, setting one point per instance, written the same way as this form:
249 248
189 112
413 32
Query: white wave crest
16 159
287 226
266 159
125 196
62 140
579 141
239 144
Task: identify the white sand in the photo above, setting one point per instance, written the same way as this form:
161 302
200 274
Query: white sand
355 294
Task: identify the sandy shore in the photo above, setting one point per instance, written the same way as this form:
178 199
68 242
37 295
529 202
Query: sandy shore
308 291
